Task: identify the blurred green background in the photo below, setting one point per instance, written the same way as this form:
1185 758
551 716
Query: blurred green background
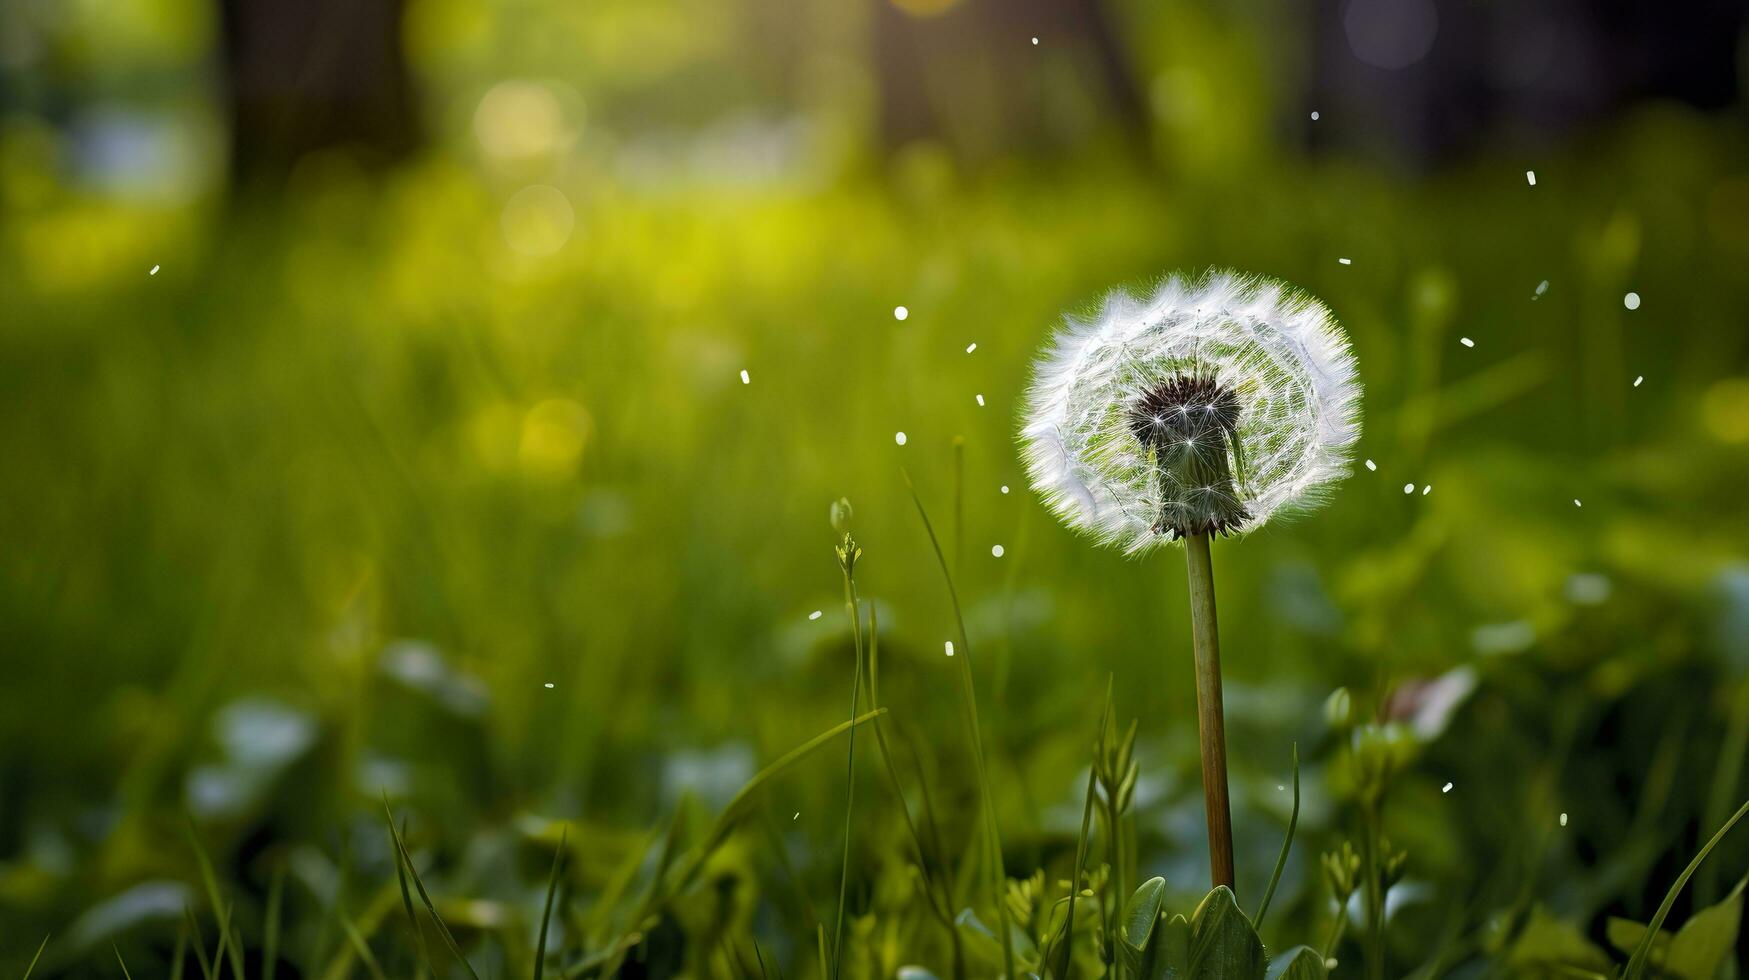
373 418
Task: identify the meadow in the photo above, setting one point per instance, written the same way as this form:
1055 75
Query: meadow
352 504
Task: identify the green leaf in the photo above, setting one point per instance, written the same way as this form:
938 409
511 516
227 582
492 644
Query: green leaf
1223 943
1625 935
1546 941
1137 936
1299 963
1704 941
1175 948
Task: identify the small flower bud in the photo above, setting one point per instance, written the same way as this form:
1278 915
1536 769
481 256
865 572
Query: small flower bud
1339 710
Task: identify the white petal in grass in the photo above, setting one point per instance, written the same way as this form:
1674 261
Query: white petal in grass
1408 488
745 379
971 347
154 271
900 313
996 552
980 401
1631 301
1638 380
899 437
1372 466
1530 175
813 615
1446 788
1345 261
1467 342
949 646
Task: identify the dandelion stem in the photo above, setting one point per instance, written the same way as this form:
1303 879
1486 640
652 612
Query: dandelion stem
852 605
1210 722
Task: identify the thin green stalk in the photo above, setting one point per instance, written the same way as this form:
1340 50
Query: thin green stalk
1287 844
1375 893
1726 775
939 906
177 957
1337 927
270 938
970 713
124 963
540 947
1061 965
1211 724
39 955
853 606
1637 964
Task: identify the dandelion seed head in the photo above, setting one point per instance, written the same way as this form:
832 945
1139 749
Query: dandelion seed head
1209 406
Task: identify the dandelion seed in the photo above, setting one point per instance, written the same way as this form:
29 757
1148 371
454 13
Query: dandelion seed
899 437
949 646
1004 488
744 378
1563 819
549 685
1541 288
1205 408
1467 342
1426 489
1446 788
813 615
1314 115
900 313
971 347
1346 261
154 271
1638 380
1530 175
1408 488
1576 502
1372 466
996 552
980 401
1631 301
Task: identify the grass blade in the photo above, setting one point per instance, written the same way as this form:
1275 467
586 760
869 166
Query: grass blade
124 963
994 843
362 948
207 970
406 860
178 957
210 881
1287 844
540 949
854 606
39 955
1059 966
407 905
1637 964
270 937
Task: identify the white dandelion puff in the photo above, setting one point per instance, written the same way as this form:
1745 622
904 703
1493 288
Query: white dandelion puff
1210 406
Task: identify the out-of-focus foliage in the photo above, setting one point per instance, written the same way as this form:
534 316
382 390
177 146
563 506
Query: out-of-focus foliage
448 483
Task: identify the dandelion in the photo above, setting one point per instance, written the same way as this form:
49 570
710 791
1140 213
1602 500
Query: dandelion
1207 408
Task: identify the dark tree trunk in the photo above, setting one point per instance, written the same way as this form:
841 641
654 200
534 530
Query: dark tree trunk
308 75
